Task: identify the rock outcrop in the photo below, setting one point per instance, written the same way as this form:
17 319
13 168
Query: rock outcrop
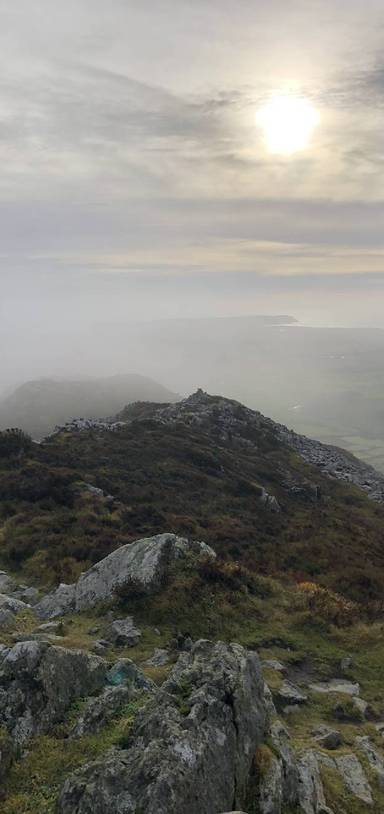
190 749
144 565
39 682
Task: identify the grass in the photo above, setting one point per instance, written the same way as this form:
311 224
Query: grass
34 782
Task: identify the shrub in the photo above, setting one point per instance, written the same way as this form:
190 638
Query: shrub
328 605
14 442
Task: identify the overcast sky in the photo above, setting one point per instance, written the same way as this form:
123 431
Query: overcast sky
135 182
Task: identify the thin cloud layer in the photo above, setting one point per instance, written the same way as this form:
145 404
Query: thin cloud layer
130 152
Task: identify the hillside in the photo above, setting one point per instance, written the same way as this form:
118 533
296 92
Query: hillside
172 524
38 406
206 467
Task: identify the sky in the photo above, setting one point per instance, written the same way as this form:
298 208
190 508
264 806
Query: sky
135 180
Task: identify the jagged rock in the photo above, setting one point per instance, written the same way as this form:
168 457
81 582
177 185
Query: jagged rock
268 700
123 633
346 664
143 564
354 777
190 748
375 760
310 788
336 685
101 710
38 682
159 658
278 785
270 788
327 738
288 694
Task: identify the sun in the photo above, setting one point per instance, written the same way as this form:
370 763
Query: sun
287 122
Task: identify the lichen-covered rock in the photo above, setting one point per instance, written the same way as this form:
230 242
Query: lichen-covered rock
123 633
11 604
38 683
57 603
354 777
190 749
374 758
311 792
101 710
143 564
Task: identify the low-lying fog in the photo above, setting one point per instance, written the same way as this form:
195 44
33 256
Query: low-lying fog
325 382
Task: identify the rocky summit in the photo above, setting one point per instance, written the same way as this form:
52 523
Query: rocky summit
191 618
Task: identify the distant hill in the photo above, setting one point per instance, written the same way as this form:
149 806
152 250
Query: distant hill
38 406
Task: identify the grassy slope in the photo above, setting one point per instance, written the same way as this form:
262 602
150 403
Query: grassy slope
173 478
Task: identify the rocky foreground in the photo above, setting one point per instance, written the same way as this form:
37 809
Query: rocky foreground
212 737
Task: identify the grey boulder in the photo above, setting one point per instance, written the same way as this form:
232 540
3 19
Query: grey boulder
39 682
190 749
142 565
123 633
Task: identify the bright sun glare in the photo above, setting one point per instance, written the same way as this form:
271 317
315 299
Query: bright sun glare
287 122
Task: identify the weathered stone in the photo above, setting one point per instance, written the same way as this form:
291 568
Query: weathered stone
123 633
336 685
159 658
59 602
311 792
346 664
375 760
190 748
101 710
289 694
279 784
354 777
38 683
327 738
11 604
268 700
143 564
270 787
